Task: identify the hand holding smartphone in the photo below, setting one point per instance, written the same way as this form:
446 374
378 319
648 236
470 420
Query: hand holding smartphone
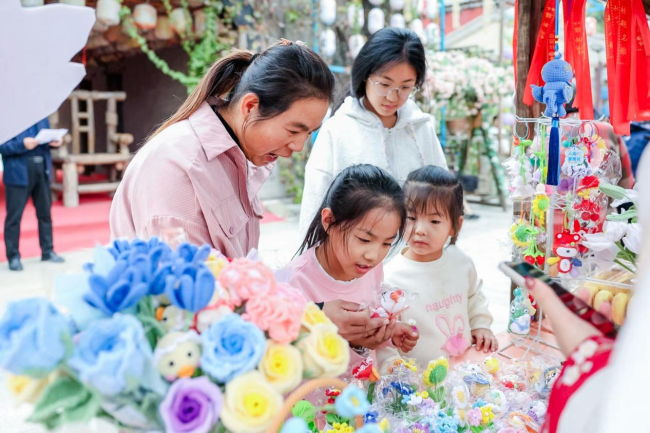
517 272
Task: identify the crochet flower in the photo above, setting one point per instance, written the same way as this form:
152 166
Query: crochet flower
474 417
486 415
191 405
121 289
231 347
436 372
282 366
34 338
112 354
191 283
352 402
280 313
313 316
151 257
295 425
324 352
245 278
251 403
633 239
371 428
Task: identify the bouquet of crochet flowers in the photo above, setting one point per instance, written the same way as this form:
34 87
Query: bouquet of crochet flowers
153 339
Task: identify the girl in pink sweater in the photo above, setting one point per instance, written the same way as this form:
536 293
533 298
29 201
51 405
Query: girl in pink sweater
361 217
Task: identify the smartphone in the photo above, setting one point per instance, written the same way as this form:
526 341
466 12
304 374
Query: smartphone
517 272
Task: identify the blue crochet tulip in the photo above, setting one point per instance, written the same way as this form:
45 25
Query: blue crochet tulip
120 290
34 337
190 284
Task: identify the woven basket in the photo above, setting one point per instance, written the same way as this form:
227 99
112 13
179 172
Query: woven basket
300 393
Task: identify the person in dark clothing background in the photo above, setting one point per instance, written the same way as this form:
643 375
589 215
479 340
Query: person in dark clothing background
27 172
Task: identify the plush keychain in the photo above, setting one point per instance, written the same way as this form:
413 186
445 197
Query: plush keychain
566 249
391 303
519 317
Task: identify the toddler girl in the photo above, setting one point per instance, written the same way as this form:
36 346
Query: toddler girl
451 312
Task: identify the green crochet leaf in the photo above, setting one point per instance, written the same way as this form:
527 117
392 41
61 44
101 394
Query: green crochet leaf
614 191
627 215
65 401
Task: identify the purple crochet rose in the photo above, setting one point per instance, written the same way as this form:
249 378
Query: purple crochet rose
191 405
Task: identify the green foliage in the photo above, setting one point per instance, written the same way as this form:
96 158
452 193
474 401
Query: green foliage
202 51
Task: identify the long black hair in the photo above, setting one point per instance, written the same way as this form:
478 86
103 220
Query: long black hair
388 47
434 188
356 191
279 76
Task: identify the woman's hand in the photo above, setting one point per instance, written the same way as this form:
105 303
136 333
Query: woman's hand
354 323
569 329
484 339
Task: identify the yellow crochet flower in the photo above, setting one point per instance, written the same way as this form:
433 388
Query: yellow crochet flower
324 352
436 371
282 366
340 428
486 415
384 425
314 316
216 264
540 205
250 403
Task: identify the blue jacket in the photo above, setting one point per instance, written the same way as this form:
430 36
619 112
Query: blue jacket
14 156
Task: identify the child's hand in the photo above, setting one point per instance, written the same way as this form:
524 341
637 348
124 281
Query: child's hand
405 337
376 339
484 339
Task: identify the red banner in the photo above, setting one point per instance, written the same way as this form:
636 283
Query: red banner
544 50
576 52
628 58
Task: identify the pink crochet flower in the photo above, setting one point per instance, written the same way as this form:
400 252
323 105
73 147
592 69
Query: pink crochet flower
245 278
280 314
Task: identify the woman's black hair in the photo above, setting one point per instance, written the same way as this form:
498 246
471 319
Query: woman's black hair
386 48
356 191
280 75
432 188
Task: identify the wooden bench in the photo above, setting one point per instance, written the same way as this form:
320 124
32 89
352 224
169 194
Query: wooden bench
116 158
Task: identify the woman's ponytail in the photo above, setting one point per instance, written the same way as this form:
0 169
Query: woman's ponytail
222 77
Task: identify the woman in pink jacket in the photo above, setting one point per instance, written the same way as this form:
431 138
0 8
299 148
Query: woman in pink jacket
202 169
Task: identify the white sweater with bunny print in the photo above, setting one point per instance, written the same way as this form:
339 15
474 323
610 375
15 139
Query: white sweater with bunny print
448 305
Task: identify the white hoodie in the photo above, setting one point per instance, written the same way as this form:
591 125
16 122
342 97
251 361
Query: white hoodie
355 135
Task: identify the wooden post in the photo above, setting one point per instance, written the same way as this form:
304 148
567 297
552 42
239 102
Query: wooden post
70 183
530 18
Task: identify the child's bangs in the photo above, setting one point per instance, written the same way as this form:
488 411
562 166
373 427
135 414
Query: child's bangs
427 200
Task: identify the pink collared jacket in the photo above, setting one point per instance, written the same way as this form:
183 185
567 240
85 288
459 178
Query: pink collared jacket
193 176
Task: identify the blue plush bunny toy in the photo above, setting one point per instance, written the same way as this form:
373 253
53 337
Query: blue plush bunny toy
557 91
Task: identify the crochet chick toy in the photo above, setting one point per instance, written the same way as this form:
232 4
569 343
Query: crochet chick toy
557 91
178 354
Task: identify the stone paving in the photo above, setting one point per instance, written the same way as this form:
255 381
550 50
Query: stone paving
483 239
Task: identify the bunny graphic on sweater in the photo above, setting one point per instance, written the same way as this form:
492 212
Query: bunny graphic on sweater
456 343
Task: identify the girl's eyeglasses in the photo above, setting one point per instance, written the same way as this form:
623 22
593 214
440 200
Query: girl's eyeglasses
383 89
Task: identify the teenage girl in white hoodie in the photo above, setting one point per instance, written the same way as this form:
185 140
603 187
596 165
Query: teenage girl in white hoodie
379 124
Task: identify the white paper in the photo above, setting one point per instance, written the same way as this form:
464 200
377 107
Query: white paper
48 135
36 75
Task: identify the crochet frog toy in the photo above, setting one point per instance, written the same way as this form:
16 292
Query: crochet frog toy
557 91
